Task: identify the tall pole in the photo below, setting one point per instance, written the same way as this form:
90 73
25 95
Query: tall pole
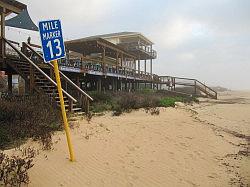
103 61
151 66
139 66
151 72
117 61
65 120
3 31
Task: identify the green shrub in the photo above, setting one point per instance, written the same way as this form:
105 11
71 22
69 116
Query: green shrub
170 101
100 107
121 102
146 91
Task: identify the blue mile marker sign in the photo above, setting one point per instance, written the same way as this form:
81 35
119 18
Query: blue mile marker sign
52 40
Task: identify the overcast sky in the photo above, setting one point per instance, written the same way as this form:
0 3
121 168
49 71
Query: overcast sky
204 39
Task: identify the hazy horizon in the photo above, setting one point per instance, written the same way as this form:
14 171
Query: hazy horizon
208 40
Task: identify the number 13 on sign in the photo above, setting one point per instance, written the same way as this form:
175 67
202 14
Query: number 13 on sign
57 46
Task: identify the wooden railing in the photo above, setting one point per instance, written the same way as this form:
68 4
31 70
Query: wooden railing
204 88
84 98
23 56
172 82
133 46
89 65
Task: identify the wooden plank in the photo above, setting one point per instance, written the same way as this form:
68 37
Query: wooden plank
3 48
12 8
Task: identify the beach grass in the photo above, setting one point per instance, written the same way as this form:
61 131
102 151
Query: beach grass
126 101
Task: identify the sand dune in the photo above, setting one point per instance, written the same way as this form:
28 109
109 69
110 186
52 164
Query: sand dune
184 146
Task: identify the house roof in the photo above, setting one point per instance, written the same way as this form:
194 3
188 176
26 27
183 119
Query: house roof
119 34
90 45
110 35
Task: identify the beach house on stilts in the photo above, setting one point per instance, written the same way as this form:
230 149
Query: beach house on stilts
115 62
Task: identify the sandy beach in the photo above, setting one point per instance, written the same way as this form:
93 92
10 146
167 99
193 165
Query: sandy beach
205 144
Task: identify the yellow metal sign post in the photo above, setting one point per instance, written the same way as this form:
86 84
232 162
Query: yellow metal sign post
65 120
53 49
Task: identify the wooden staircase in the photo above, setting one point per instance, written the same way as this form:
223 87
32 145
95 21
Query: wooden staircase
39 81
199 89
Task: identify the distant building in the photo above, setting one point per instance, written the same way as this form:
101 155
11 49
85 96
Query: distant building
135 44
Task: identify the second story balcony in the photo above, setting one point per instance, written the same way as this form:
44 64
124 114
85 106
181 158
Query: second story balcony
139 49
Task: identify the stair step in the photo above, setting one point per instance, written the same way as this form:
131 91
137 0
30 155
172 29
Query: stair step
77 109
25 71
41 79
23 65
22 68
41 83
49 91
65 102
59 98
47 86
79 113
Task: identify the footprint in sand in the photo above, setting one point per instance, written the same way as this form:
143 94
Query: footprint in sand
183 144
138 167
130 184
197 152
131 148
106 163
212 175
121 161
134 177
191 155
190 138
192 183
171 153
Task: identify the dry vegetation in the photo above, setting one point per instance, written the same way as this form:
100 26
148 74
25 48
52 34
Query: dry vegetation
25 117
14 169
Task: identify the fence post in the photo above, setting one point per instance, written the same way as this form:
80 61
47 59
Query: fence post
86 105
32 79
3 47
24 49
70 105
195 87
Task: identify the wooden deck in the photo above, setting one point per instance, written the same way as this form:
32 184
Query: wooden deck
86 73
